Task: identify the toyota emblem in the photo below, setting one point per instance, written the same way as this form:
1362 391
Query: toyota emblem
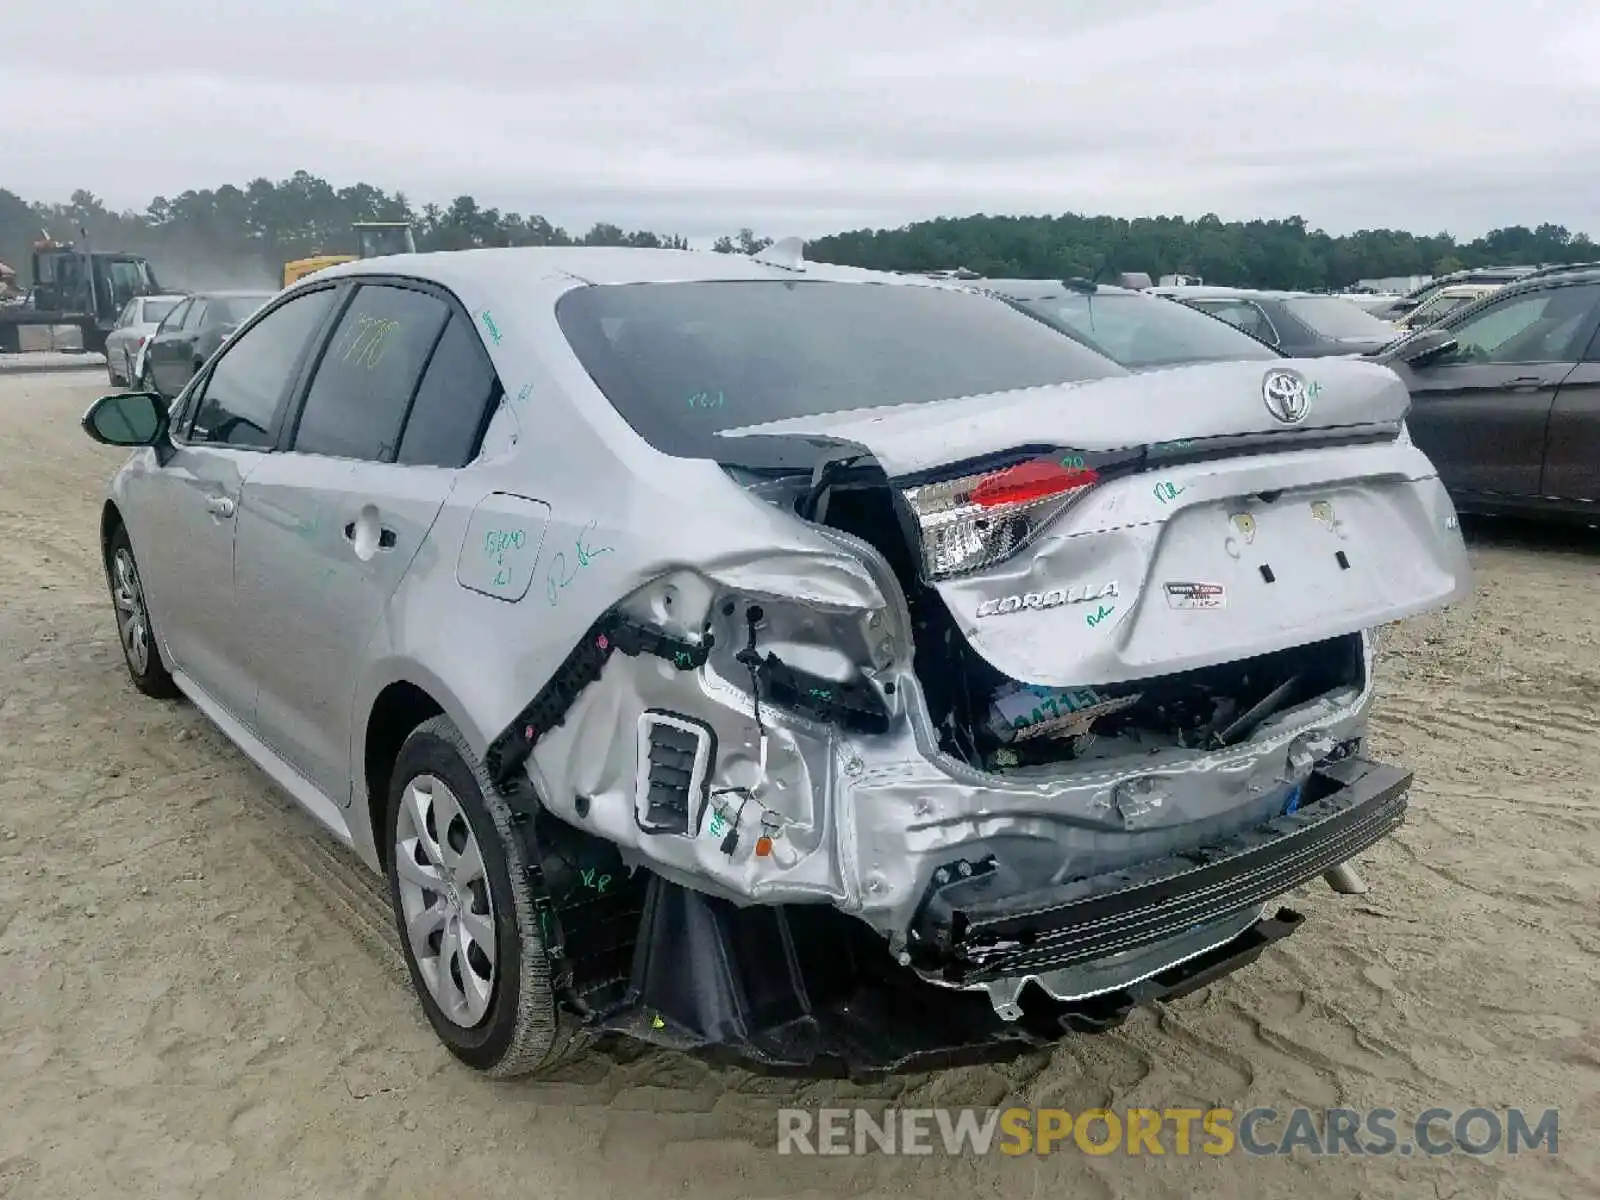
1286 395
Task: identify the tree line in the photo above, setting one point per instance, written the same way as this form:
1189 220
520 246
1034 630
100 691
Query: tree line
240 234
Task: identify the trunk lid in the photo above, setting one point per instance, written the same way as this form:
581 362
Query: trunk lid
1152 407
1224 533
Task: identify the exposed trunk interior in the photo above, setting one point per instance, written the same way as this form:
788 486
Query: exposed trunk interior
1205 709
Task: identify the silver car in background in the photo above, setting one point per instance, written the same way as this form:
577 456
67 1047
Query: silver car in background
136 325
745 653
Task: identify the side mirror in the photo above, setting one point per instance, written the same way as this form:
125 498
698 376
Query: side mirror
127 419
1420 349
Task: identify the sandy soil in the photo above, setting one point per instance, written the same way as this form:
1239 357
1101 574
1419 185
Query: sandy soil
198 996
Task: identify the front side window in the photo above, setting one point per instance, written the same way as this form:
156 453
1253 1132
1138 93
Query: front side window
1526 328
240 397
357 402
682 361
196 316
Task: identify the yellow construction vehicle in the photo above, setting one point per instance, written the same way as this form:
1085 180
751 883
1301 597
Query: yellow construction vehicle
373 239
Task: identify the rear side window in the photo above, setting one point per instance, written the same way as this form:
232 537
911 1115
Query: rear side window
156 310
1241 314
451 405
681 361
357 402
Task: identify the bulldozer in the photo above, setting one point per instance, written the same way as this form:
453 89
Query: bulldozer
373 239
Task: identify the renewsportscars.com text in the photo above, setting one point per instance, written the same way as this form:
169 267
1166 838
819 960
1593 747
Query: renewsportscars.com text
1167 1131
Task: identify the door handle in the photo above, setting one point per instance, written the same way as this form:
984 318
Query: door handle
219 506
386 536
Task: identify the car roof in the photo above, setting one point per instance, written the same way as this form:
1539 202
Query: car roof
1039 289
1468 289
231 294
1574 275
1229 293
510 268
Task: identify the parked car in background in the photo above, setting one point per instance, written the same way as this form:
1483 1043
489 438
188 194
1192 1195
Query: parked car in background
1443 302
135 326
190 334
740 651
1298 324
1135 329
1376 303
1505 396
1421 295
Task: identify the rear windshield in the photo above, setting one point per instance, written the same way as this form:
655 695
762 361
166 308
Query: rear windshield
681 361
231 310
1143 331
1336 318
154 310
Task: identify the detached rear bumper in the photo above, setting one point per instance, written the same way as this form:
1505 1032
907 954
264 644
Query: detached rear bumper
966 936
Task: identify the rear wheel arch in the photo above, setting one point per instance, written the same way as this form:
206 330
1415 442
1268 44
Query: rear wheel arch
398 709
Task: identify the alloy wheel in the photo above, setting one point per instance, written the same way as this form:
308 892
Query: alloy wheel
445 900
133 621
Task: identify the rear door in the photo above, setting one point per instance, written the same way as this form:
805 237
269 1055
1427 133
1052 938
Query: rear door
164 344
1481 412
327 529
1572 459
189 508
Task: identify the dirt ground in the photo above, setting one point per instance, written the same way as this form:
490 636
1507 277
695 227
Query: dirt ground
200 996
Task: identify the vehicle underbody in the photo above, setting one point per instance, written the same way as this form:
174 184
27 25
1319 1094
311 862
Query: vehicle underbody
762 826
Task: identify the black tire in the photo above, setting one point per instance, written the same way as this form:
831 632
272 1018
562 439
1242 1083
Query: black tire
151 676
522 1032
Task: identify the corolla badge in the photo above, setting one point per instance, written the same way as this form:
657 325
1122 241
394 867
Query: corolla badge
1078 593
1287 395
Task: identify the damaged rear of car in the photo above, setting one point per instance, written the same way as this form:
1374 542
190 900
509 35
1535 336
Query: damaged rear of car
977 691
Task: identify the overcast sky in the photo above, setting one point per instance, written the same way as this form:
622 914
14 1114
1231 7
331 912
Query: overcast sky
811 116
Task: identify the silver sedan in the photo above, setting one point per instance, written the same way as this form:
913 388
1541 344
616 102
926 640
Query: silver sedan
136 325
742 651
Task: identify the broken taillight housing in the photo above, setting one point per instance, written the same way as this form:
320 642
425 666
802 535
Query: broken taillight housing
970 522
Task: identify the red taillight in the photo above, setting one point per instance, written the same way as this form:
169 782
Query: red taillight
1036 479
140 342
974 520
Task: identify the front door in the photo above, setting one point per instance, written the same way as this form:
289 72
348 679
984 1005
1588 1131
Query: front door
1572 460
187 554
227 431
1482 411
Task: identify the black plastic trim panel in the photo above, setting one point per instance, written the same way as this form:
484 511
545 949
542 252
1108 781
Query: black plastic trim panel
1346 807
